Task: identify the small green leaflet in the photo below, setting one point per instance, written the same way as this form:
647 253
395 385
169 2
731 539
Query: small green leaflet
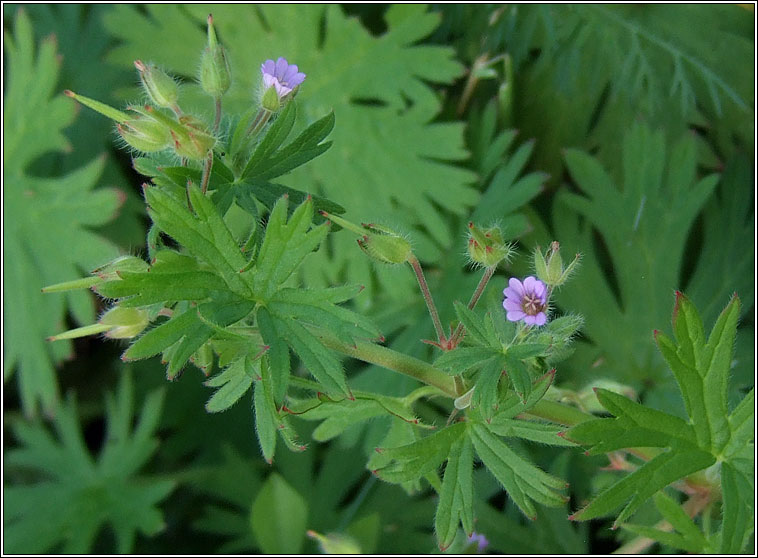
75 495
338 415
701 369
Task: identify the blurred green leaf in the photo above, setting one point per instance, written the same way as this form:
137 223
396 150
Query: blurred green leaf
644 225
48 221
75 495
279 517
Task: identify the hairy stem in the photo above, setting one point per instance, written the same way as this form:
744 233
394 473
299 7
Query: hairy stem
488 273
217 120
428 298
392 360
207 172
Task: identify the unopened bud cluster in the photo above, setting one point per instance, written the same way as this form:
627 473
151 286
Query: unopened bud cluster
160 124
486 247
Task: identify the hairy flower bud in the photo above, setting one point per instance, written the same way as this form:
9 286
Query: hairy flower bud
160 87
549 266
145 134
377 242
486 246
124 323
192 139
215 74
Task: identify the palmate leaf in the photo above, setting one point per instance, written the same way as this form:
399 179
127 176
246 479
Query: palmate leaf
701 368
602 66
524 482
644 224
47 221
395 173
75 495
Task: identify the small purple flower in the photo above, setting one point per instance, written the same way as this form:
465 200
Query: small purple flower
282 75
480 540
526 301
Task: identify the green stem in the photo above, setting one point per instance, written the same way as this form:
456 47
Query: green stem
392 360
207 172
459 331
217 120
260 120
428 298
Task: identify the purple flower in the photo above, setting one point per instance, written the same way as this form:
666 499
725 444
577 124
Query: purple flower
526 301
282 75
480 540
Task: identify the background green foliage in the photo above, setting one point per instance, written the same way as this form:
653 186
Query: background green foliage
634 147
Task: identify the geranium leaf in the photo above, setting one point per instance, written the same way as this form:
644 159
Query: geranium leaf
103 490
48 221
644 238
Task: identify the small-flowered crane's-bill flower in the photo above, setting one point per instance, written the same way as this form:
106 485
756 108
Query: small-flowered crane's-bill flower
282 76
526 301
479 540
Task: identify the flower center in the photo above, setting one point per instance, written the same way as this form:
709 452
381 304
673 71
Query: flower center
532 304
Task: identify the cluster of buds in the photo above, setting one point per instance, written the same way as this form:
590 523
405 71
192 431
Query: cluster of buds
148 128
549 266
486 247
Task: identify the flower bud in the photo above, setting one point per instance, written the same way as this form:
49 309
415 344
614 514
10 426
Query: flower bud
386 247
110 270
379 243
192 138
124 322
549 267
160 87
145 134
215 74
486 246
